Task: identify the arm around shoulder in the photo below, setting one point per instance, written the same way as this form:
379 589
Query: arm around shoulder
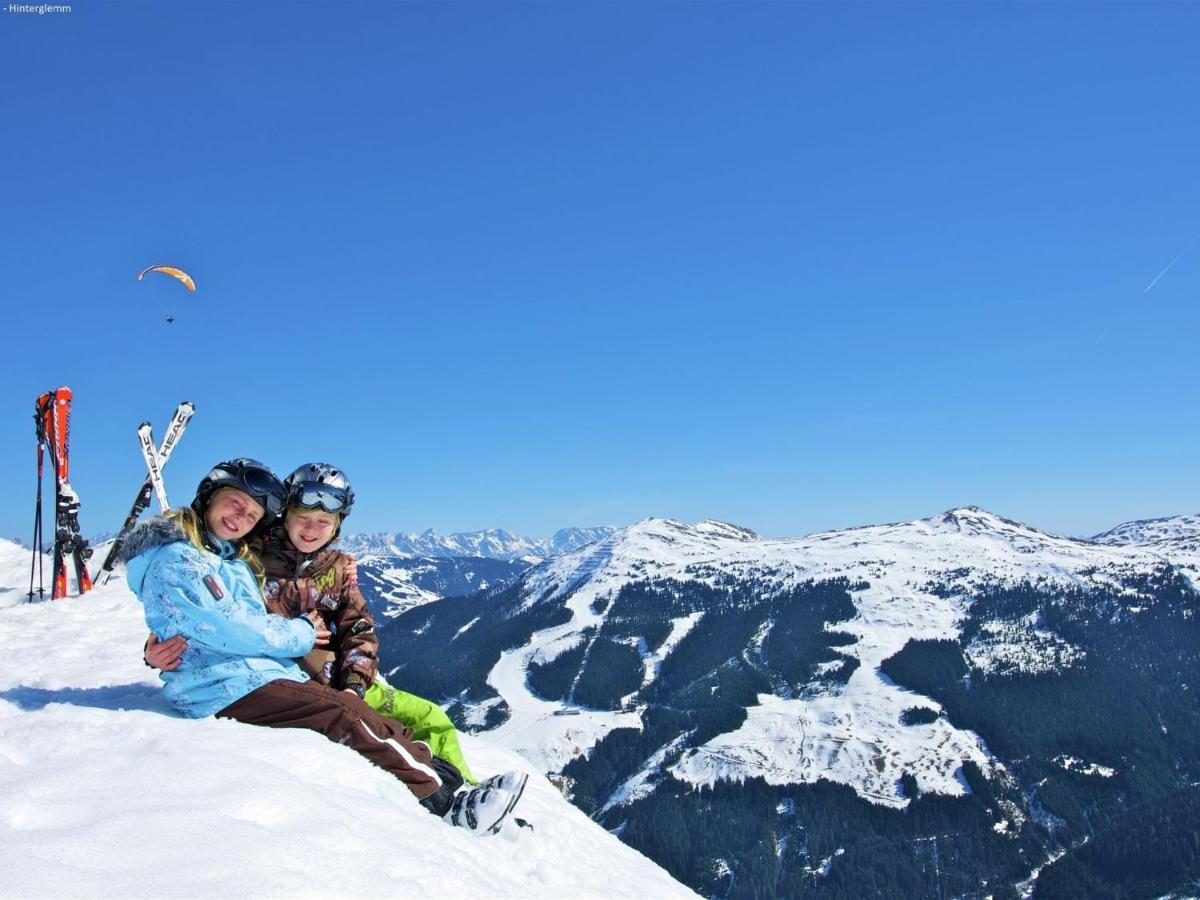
183 596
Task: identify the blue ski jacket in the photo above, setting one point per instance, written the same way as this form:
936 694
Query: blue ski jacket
234 645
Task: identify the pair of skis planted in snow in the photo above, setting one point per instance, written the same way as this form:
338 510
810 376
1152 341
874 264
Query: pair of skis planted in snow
52 419
155 459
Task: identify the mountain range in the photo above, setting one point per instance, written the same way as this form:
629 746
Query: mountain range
491 543
957 705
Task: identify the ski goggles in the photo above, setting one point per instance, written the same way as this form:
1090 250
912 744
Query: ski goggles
319 496
253 478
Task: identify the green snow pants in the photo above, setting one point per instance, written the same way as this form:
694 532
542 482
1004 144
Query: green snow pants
428 721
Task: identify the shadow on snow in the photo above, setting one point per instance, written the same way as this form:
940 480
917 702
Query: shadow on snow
121 696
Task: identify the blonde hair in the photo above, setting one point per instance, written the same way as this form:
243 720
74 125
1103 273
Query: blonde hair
194 530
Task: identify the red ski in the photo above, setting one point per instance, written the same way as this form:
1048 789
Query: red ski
54 429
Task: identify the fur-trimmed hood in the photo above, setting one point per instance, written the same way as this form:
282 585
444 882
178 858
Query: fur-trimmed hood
143 545
150 534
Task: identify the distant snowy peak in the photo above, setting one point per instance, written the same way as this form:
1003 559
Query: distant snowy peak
976 520
495 543
973 522
1149 531
725 530
664 547
669 541
491 543
966 546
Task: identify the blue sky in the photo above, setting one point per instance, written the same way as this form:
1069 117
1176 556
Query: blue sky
524 265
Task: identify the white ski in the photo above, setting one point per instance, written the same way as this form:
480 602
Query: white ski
153 465
179 421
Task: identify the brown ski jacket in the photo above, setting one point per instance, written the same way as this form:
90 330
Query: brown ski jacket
297 582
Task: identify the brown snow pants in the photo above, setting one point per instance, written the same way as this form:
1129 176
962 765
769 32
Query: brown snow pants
343 718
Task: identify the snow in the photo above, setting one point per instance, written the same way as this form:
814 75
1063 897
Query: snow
1074 764
540 730
398 590
849 734
107 793
641 784
496 543
679 629
1010 648
1145 531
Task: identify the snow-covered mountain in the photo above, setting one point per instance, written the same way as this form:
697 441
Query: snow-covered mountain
395 584
107 793
400 571
492 543
670 657
852 735
1149 531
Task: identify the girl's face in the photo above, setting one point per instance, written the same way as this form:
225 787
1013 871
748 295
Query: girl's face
232 514
310 529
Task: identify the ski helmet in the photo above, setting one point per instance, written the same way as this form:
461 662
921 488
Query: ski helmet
248 476
320 486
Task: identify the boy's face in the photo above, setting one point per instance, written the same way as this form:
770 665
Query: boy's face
231 514
310 529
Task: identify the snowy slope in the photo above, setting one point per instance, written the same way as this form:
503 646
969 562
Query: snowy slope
15 565
394 584
1147 531
850 734
109 794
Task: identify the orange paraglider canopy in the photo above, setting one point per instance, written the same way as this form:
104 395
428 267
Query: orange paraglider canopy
173 272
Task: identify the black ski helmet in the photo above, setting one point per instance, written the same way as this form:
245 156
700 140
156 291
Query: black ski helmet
248 476
320 486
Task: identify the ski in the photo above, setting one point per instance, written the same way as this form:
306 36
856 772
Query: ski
55 407
153 464
74 543
179 421
46 404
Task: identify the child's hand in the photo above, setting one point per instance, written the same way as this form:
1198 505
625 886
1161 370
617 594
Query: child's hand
323 633
352 573
165 655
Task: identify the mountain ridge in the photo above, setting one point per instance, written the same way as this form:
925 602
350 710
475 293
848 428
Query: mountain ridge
490 543
671 661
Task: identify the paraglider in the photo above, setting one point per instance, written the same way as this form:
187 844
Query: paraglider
174 272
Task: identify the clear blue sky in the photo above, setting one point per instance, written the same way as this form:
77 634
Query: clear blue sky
526 265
